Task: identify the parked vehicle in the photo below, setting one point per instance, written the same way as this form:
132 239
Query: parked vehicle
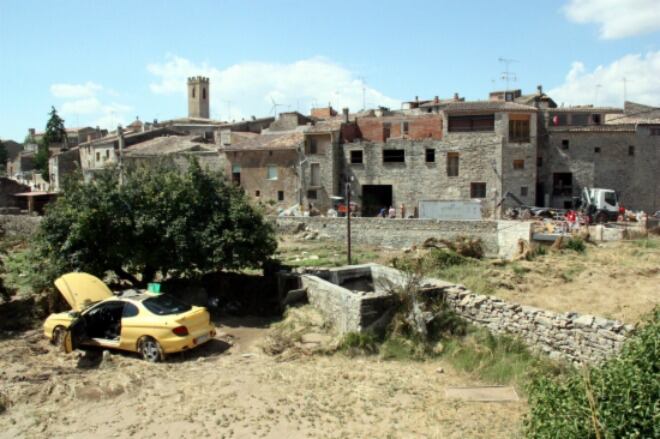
601 205
151 324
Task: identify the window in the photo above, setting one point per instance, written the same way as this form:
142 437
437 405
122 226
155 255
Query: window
452 164
315 171
519 130
430 155
539 161
280 195
394 156
204 93
129 310
477 190
257 193
272 173
595 119
523 191
236 174
472 123
107 154
312 147
564 144
610 198
631 150
98 156
579 119
518 164
562 184
387 128
356 156
597 150
404 128
164 304
193 92
311 194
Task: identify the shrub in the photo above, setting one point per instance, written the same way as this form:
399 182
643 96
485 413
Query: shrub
355 343
618 399
576 244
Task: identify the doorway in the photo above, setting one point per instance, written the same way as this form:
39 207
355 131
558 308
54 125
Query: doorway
375 197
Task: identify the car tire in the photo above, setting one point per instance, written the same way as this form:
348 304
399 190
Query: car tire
150 350
58 337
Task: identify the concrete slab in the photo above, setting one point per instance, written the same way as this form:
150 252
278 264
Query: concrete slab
482 393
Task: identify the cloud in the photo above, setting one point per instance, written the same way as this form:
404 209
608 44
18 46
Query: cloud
86 103
617 18
605 84
250 88
85 90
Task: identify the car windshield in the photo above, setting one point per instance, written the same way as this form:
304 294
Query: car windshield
165 304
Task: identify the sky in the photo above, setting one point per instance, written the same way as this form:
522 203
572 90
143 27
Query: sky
106 63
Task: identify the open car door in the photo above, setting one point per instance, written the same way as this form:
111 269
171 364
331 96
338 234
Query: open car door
75 334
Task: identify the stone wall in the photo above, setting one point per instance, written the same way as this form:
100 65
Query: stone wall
571 336
398 233
568 336
23 225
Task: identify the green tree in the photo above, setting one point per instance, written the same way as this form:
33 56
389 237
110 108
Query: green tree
55 134
179 224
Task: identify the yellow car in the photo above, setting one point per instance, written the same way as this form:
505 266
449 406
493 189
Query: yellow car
150 324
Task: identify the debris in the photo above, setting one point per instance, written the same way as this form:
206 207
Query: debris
440 370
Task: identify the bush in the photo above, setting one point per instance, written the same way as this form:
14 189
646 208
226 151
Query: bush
618 399
576 244
356 343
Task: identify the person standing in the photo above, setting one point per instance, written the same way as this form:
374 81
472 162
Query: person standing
392 212
403 211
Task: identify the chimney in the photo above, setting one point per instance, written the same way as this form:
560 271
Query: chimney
456 98
345 113
540 89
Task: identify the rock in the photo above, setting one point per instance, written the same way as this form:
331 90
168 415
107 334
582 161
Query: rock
584 320
439 370
603 323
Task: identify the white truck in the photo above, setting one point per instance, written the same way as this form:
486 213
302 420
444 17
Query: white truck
601 205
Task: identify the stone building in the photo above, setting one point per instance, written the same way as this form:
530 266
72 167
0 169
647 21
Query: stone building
600 147
199 97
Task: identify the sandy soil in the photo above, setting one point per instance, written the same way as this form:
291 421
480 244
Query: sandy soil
230 389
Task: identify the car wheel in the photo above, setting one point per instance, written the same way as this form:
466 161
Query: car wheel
58 337
150 350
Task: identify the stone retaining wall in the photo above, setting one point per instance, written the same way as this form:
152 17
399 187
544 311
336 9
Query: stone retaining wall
23 225
578 338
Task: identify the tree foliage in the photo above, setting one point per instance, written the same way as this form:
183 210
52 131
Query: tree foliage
3 154
55 131
619 399
161 220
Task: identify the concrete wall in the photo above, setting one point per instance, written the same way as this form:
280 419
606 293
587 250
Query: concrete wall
398 233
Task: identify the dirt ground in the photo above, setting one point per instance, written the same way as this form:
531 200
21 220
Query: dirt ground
230 389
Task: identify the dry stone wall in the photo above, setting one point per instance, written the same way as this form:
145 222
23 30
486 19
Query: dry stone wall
22 225
578 338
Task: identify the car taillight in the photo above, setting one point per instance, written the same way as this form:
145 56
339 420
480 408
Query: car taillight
180 330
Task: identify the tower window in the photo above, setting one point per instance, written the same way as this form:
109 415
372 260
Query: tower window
204 93
193 92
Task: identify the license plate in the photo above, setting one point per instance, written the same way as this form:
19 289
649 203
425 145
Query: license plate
202 338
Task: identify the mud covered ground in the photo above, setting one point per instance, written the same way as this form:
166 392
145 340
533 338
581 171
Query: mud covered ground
230 388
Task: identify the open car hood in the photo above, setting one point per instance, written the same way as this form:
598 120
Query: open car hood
82 289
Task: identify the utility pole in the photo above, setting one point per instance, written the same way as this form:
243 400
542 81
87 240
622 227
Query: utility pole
348 220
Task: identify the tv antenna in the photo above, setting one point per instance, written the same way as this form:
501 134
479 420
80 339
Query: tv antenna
507 74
